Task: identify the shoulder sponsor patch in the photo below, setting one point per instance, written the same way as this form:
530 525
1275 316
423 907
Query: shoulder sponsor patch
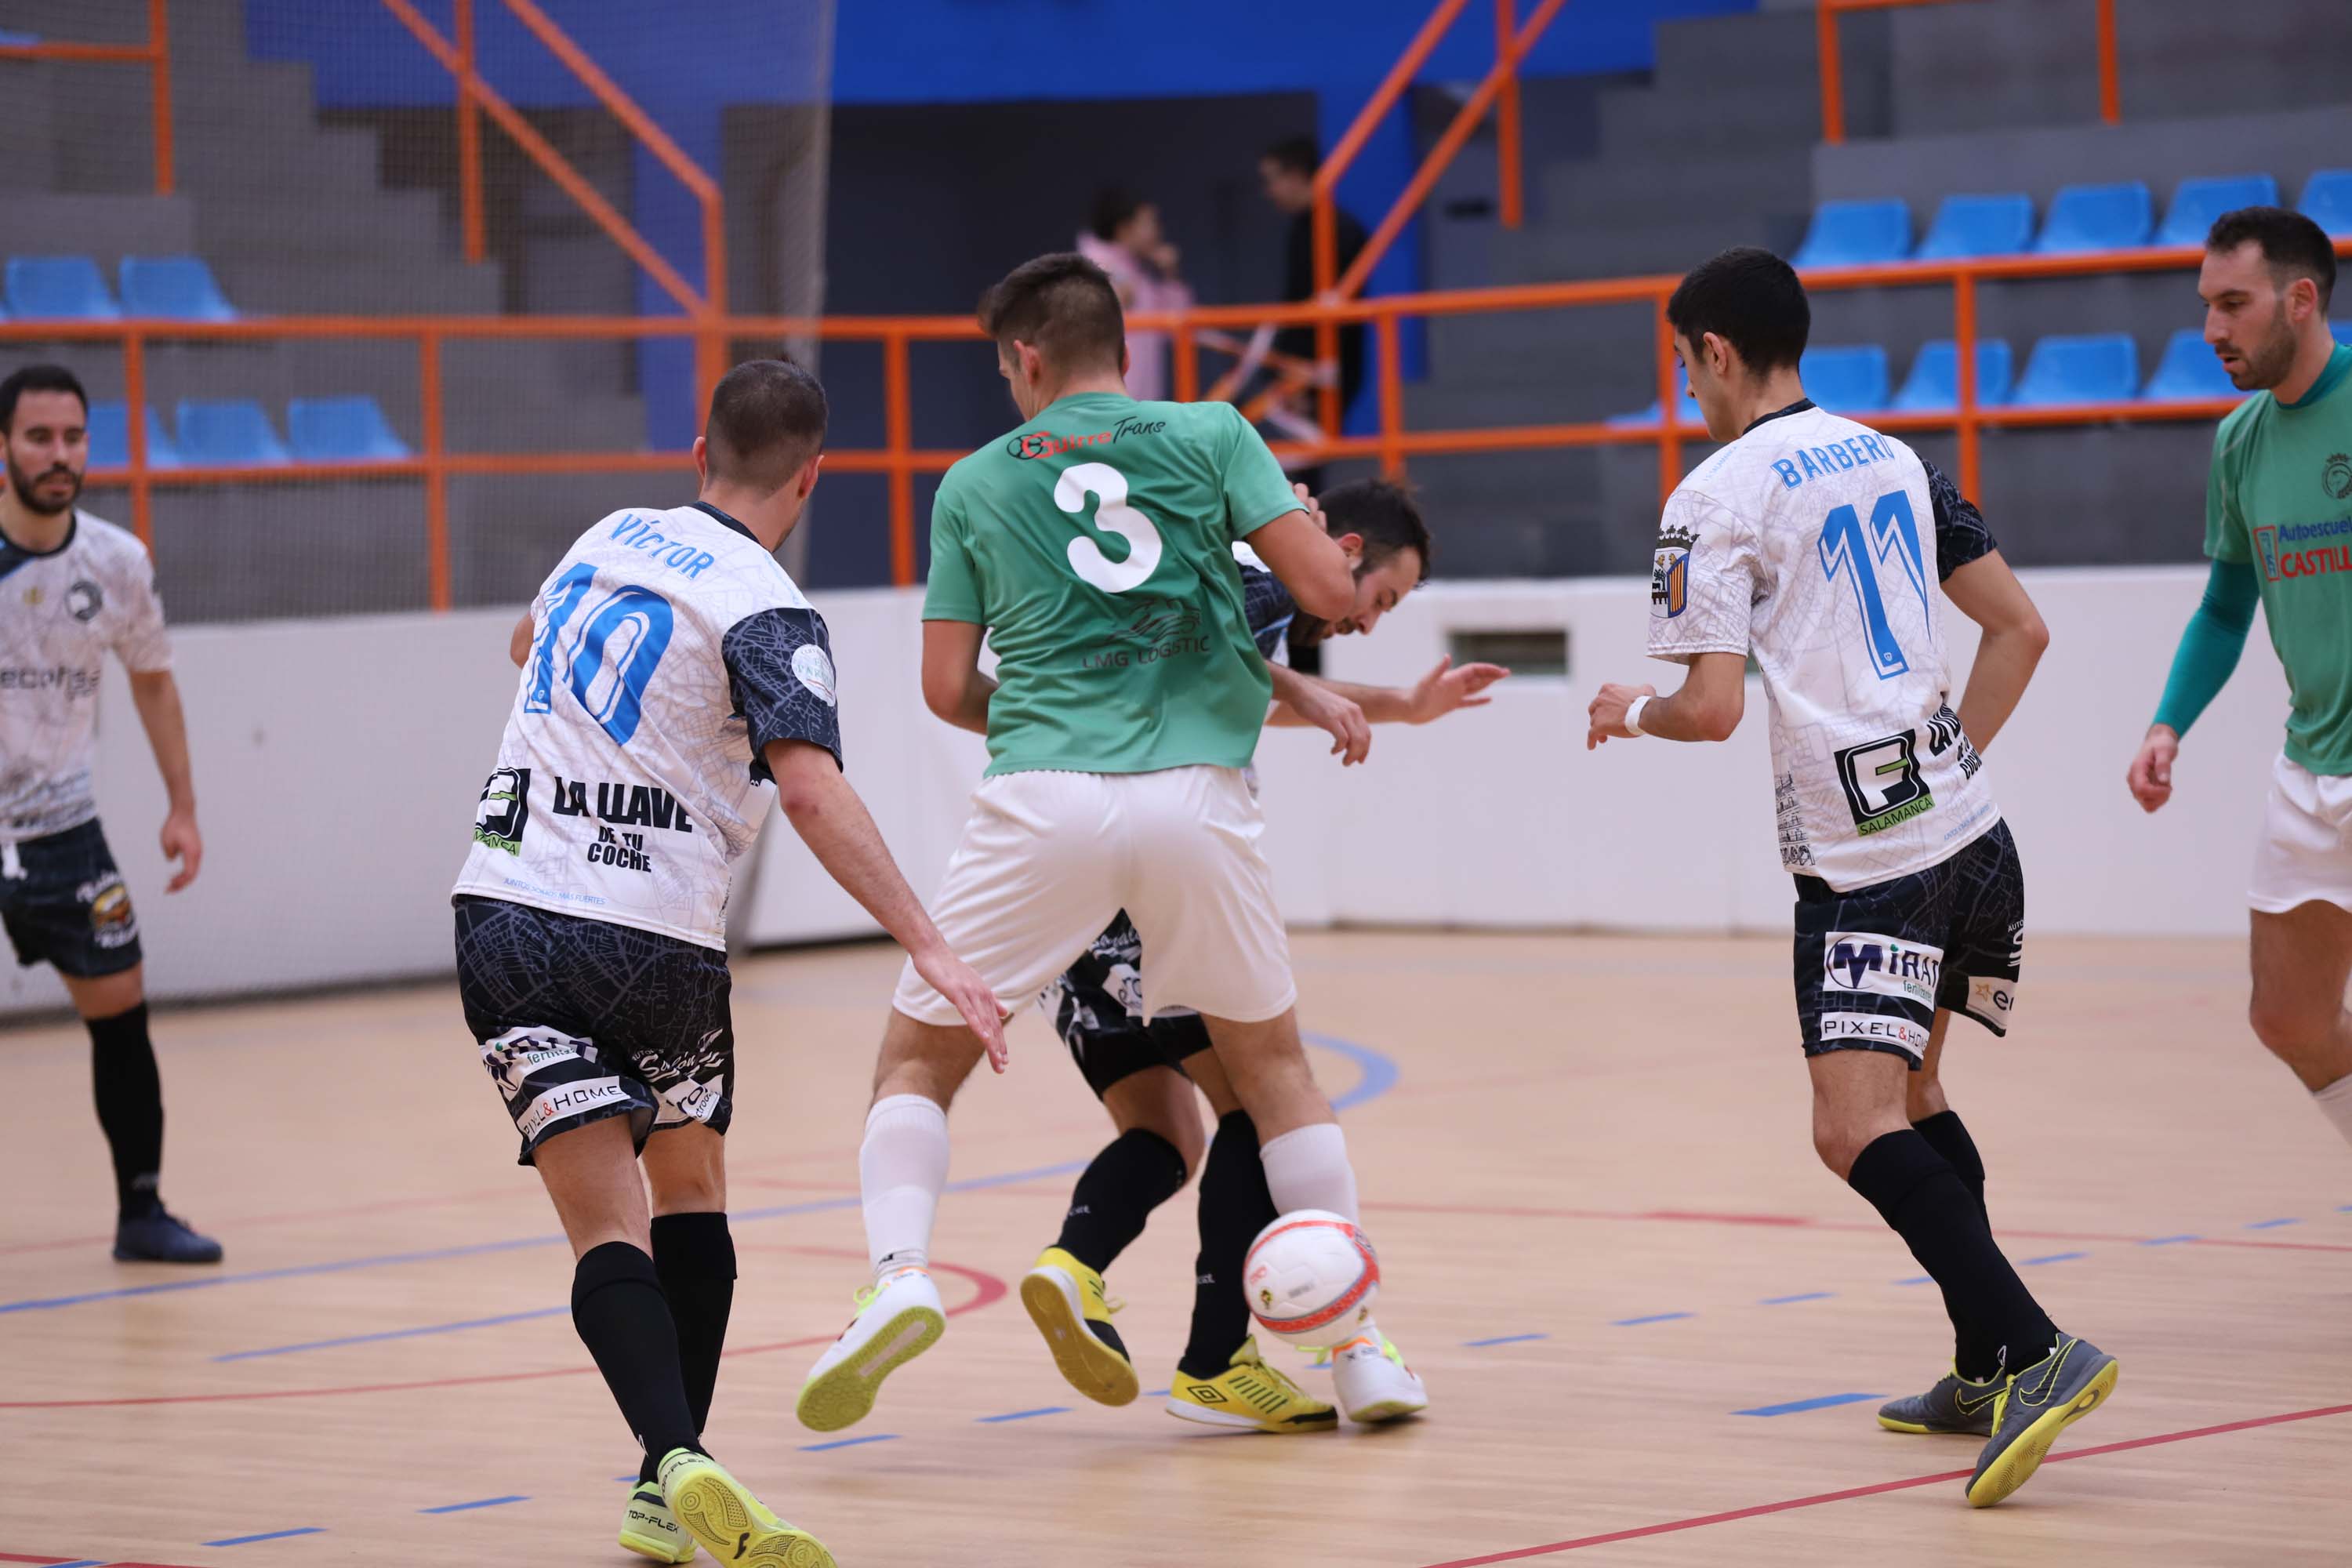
1875 1029
1990 1001
1867 963
815 667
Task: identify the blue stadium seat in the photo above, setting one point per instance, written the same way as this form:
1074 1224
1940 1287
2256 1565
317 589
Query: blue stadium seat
230 432
1934 385
2102 367
1979 226
110 437
2189 369
2197 203
2343 331
2097 217
173 287
340 430
59 288
11 38
2327 201
1845 380
1855 234
1686 411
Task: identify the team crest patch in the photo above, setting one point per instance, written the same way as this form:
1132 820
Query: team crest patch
111 922
1669 574
2335 478
815 667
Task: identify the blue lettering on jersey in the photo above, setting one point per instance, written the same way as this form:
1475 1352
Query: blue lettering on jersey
639 534
1813 462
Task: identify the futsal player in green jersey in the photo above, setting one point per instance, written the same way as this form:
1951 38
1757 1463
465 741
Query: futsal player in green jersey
2278 525
1092 546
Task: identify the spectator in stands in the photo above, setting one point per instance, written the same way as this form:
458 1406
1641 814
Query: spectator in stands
1124 241
1288 171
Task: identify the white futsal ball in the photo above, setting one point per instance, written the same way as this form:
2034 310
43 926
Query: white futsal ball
1311 1278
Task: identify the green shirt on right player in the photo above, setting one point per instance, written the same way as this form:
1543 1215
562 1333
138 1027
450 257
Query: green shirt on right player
2278 500
1095 542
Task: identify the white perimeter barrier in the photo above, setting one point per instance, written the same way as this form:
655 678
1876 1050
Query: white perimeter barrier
338 763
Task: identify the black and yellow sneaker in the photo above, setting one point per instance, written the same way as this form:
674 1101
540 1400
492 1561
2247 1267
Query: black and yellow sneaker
2035 1406
1249 1393
1065 1300
1954 1406
650 1530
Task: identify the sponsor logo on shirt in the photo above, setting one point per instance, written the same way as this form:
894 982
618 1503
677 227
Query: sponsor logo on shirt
1943 733
624 805
1868 963
814 668
1669 574
1788 820
1164 628
2281 562
76 682
504 811
1046 444
84 600
2336 478
1993 999
622 851
1881 781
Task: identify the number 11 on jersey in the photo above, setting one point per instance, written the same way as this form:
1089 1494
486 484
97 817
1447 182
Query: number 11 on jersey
1847 548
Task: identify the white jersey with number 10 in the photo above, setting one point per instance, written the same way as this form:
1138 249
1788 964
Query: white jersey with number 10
1812 542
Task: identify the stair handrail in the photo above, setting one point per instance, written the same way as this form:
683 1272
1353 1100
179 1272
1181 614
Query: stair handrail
155 54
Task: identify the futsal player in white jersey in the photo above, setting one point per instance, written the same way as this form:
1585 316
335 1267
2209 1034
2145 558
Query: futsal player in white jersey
1817 545
72 588
675 684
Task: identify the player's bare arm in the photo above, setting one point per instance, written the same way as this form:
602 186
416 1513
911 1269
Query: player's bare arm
157 696
1309 562
1302 701
518 641
953 687
1988 592
2150 778
1708 708
835 824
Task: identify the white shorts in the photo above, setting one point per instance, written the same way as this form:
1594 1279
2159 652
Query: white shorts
2305 853
1049 858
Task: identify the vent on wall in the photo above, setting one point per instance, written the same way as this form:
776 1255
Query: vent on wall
1523 651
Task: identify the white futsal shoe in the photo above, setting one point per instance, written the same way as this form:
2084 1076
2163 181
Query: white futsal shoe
898 1320
1371 1383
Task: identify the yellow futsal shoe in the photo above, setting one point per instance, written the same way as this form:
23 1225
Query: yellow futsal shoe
650 1530
729 1522
1065 1300
1249 1393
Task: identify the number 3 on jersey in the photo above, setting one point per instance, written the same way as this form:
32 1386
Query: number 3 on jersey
1847 548
609 664
1112 515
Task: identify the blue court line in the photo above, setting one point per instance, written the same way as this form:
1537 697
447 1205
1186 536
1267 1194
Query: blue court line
1158 1392
463 1507
848 1442
1785 1300
2051 1257
1024 1414
85 1563
2343 1208
1653 1317
2272 1224
1918 1279
1377 1075
1823 1403
396 1334
2168 1241
1502 1340
272 1535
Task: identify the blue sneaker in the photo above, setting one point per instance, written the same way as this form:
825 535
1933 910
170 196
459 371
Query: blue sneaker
162 1238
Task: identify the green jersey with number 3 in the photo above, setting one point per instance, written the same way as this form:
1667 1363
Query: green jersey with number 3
1095 542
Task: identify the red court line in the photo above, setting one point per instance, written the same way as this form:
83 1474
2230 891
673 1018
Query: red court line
1731 1515
987 1290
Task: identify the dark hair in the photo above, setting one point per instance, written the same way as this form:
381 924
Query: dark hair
1385 514
767 419
1751 299
1113 207
1063 306
2293 245
1299 154
37 378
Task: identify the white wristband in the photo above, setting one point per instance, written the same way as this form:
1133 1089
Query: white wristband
1634 714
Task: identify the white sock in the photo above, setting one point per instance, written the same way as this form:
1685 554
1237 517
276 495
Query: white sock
2335 1100
1306 1168
902 1169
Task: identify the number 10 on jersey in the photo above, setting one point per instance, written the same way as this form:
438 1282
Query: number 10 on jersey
1847 549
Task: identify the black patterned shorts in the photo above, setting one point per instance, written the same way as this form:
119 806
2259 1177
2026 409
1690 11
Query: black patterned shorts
580 1019
64 904
1873 966
1097 1008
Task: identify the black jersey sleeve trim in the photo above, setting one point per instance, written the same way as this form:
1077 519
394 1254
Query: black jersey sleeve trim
780 672
1961 535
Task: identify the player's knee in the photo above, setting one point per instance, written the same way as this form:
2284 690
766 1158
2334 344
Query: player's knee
1837 1144
2280 1025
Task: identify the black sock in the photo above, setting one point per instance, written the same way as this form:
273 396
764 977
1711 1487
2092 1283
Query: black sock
695 1257
1973 1356
1235 1207
129 1097
1919 1194
1135 1173
623 1318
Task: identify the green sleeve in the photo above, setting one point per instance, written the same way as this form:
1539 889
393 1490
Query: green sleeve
2225 532
1256 489
2210 646
952 592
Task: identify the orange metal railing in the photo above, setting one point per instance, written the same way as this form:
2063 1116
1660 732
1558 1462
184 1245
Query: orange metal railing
899 460
155 54
1833 77
707 306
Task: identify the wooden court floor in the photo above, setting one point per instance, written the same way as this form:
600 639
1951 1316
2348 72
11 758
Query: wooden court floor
1647 1317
